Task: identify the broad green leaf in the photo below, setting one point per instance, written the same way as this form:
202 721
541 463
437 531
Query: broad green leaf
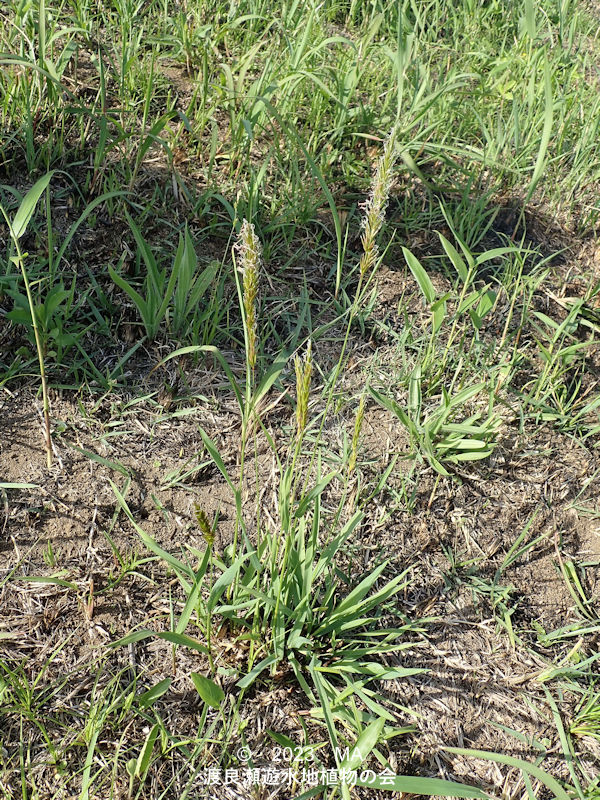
193 596
454 256
422 787
225 580
371 668
269 379
143 761
496 252
462 444
307 501
364 744
313 668
216 457
209 691
465 395
134 295
529 19
414 393
486 303
392 406
469 301
28 204
438 310
249 679
464 428
281 739
175 638
334 545
420 276
104 461
201 284
473 455
356 595
149 697
546 133
436 464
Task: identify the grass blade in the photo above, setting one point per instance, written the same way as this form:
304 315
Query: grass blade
517 763
28 204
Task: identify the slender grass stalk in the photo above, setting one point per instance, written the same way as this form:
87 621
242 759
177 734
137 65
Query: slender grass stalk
303 369
20 260
209 537
249 255
373 219
17 228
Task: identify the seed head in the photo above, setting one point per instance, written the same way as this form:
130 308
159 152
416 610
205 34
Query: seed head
303 367
249 250
358 421
204 525
374 208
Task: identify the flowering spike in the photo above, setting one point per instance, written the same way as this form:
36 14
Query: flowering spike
303 369
204 525
249 249
358 422
375 206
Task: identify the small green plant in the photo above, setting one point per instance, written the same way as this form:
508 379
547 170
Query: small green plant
586 720
176 295
556 394
434 435
17 227
476 302
51 316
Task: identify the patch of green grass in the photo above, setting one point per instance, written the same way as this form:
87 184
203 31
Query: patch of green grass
188 191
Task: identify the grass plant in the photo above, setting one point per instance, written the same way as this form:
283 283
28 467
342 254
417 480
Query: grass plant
17 227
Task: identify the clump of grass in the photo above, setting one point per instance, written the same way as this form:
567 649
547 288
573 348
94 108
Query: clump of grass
284 587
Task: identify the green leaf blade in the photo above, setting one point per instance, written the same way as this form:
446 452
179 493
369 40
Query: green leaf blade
28 204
